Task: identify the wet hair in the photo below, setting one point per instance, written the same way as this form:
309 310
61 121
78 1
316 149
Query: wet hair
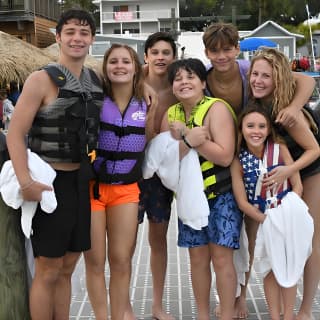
192 65
252 107
160 36
282 76
220 34
138 80
84 18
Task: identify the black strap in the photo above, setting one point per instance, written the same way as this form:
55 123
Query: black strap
118 155
56 75
122 131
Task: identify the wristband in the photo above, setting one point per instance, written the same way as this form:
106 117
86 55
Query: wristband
186 141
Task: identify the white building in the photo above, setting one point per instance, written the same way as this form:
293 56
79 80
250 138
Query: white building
137 16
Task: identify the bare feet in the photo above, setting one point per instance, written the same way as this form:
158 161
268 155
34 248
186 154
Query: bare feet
240 308
161 315
304 316
129 315
217 311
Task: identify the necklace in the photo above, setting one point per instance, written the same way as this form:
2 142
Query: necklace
223 85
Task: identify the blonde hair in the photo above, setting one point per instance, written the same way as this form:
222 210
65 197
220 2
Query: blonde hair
284 82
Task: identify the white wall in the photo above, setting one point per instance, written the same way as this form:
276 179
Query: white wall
194 48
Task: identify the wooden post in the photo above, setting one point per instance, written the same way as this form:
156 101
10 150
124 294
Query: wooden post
13 268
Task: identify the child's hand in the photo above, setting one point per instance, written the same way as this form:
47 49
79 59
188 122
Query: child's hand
197 136
276 177
288 116
177 129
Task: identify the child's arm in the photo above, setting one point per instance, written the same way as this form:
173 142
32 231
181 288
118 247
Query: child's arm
240 193
295 178
304 137
305 85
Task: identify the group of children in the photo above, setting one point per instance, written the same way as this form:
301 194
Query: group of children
199 106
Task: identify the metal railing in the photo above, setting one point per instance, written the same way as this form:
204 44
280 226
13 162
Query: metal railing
44 8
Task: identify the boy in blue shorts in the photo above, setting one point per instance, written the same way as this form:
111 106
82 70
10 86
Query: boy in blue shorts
155 199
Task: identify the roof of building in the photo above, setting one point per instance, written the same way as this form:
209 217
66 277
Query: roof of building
277 26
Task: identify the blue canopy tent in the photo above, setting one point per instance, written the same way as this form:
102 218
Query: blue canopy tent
252 44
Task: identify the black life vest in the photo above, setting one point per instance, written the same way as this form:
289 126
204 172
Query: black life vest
67 129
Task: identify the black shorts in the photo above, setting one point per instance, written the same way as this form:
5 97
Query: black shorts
68 227
155 200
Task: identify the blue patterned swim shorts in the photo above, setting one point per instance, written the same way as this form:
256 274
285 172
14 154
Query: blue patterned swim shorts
225 222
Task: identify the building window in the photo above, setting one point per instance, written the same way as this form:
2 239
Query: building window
120 8
131 30
12 4
165 29
138 11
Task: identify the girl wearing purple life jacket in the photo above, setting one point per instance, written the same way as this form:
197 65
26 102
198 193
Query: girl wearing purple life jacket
115 192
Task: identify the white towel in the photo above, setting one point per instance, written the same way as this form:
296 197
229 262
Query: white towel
183 177
284 240
10 189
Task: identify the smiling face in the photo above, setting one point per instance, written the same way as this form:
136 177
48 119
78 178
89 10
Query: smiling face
255 130
75 39
223 57
261 80
187 86
159 57
120 68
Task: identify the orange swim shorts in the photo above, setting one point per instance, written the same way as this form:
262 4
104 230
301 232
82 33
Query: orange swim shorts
113 194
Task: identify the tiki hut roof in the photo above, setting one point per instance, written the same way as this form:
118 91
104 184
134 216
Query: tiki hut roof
19 58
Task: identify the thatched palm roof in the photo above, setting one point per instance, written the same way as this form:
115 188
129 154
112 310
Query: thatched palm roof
19 58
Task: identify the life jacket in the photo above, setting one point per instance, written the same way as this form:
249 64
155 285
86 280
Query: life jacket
217 179
122 142
67 129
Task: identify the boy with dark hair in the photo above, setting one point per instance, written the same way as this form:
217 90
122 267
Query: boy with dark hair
59 111
155 198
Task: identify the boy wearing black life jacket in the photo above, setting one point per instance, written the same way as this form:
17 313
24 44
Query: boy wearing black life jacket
59 111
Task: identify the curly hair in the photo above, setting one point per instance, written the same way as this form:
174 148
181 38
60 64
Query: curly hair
285 84
83 16
138 86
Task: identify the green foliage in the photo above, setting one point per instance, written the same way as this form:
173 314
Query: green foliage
289 12
81 4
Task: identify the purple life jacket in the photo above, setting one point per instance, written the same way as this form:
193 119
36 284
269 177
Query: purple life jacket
121 142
